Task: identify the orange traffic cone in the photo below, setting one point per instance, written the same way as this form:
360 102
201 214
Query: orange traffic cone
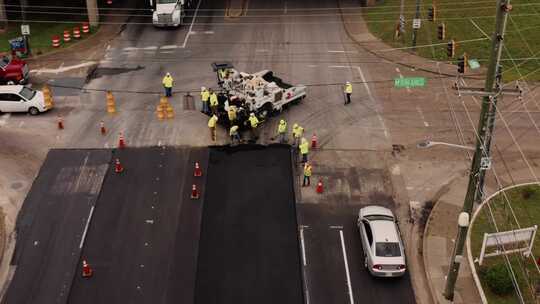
194 192
118 168
102 128
314 141
86 270
60 122
320 187
198 171
121 141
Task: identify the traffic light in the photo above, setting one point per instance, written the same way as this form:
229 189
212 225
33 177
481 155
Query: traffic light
451 49
441 31
462 63
432 13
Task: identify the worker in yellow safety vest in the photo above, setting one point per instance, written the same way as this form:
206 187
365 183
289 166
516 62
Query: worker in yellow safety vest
235 136
307 175
348 92
205 96
212 122
297 131
168 84
254 123
232 114
213 102
304 149
282 131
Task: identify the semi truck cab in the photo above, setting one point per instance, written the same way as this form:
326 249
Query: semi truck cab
167 12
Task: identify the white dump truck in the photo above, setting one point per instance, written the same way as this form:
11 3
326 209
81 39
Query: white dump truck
261 93
169 12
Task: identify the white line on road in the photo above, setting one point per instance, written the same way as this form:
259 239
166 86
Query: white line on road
346 266
303 246
166 52
21 124
372 100
335 51
4 119
130 48
86 227
329 51
209 32
339 66
192 22
62 68
422 116
312 65
169 47
193 32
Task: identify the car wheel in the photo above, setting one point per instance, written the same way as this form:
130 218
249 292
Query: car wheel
266 111
33 111
10 82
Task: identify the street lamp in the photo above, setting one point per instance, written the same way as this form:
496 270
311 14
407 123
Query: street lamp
428 144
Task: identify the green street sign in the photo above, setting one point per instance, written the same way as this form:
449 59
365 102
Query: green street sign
474 64
409 82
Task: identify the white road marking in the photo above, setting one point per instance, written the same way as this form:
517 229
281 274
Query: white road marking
169 47
63 68
338 66
422 116
372 100
130 48
193 32
86 227
150 48
209 32
329 51
191 26
304 260
21 124
166 52
108 47
346 266
312 65
4 119
159 143
351 52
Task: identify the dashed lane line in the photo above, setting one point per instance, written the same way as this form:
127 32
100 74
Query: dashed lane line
351 298
372 100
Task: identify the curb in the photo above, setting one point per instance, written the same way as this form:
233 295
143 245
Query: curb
424 255
468 241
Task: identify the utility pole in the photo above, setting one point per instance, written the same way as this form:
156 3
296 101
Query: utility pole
488 108
92 11
415 30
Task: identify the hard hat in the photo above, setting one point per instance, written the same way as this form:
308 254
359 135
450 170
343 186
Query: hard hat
348 82
282 121
252 114
203 88
168 74
295 125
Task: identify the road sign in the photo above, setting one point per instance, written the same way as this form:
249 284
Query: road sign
409 82
25 29
416 23
473 64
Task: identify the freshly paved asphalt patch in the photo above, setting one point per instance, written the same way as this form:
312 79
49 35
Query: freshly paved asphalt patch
142 243
249 249
51 223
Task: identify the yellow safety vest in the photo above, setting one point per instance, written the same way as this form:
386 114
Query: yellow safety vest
304 147
205 95
348 88
282 128
167 81
233 130
298 132
307 170
232 114
212 121
254 121
213 99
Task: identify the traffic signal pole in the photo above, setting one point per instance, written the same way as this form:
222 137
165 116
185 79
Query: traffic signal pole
416 16
474 187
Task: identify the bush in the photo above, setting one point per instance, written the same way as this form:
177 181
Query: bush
498 279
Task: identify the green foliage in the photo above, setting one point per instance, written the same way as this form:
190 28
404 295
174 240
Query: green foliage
498 279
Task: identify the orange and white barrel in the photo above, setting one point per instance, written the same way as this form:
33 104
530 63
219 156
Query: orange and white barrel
67 36
85 28
55 41
76 33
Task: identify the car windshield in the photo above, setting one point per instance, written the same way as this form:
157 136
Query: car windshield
27 93
166 1
379 217
387 249
4 61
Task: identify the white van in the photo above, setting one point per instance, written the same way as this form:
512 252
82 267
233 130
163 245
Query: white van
18 98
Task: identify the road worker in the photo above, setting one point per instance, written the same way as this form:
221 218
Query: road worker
205 96
348 92
232 114
168 84
307 175
233 133
304 149
212 125
282 131
213 102
253 122
298 131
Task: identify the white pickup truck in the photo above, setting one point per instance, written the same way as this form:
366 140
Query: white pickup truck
169 12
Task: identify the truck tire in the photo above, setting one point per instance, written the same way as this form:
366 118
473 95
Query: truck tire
266 111
10 82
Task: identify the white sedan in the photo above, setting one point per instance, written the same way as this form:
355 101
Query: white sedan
383 249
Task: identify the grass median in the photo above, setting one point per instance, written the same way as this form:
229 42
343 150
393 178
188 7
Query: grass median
466 22
41 34
500 215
